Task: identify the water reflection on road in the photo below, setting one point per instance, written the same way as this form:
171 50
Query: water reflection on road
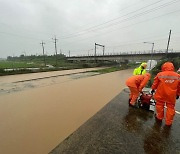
156 136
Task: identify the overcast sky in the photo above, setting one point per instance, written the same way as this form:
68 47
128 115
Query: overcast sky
120 25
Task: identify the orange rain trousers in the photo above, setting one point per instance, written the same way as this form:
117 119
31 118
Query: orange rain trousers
170 111
134 93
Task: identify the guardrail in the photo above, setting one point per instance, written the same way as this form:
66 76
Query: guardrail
124 56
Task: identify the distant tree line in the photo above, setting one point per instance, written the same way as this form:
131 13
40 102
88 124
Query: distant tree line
35 57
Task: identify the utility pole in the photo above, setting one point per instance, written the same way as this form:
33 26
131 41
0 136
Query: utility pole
103 50
151 52
95 50
55 40
25 56
13 62
168 44
69 53
95 53
42 43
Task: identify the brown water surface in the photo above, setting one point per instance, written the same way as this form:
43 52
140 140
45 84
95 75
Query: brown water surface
35 120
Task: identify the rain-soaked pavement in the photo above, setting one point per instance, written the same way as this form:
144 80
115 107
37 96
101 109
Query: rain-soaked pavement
118 128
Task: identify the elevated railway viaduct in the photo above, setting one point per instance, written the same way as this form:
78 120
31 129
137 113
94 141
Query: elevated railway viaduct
122 57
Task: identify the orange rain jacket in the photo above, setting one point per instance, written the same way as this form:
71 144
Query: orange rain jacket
138 81
167 84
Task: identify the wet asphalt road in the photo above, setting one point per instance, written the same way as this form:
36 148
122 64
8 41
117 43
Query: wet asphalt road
118 128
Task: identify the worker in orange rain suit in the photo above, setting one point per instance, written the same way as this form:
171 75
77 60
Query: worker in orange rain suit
136 83
167 86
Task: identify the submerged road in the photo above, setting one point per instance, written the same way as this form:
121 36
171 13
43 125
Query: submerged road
118 128
38 111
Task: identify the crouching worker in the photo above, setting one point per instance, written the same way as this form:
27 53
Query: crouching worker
136 83
167 86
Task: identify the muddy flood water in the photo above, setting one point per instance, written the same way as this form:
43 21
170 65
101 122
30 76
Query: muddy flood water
38 111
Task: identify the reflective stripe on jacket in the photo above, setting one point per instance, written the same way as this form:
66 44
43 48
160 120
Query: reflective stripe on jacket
167 84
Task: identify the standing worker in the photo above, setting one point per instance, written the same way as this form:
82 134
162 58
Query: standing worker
167 86
136 83
140 70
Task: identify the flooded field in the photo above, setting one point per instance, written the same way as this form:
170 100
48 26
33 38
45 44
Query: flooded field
13 83
38 114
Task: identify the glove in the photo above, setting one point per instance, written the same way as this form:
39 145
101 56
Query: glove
140 90
152 91
177 97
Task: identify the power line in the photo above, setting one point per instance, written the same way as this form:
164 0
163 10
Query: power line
135 16
12 34
5 24
132 5
112 19
105 33
131 25
129 43
142 13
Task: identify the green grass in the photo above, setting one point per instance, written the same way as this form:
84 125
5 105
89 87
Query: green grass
110 69
34 61
16 64
106 70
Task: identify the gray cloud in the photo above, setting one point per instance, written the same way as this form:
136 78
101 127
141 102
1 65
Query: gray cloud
78 24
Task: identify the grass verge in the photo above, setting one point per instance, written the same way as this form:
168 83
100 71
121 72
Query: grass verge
110 69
